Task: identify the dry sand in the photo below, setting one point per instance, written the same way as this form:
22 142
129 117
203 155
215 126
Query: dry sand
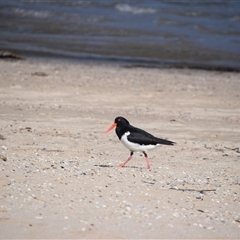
61 179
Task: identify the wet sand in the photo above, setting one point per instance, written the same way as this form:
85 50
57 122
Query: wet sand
59 175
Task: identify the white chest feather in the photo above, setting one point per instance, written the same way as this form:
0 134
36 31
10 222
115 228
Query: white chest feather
135 147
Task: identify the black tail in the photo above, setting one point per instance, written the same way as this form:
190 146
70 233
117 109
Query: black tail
165 142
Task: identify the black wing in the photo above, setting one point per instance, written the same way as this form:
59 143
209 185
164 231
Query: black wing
144 138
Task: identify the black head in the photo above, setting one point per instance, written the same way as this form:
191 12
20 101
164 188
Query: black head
121 121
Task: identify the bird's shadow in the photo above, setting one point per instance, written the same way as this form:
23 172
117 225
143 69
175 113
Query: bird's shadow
113 166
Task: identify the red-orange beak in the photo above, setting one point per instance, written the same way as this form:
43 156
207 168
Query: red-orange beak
111 127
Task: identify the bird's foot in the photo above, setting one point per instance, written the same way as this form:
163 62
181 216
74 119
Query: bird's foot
148 167
121 165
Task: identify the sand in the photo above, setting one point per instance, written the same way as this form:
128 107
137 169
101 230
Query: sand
59 176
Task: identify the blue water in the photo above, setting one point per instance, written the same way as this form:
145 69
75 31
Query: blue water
179 33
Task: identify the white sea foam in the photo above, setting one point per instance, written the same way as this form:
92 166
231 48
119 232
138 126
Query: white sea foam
31 13
123 7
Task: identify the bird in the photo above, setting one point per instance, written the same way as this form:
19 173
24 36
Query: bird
135 139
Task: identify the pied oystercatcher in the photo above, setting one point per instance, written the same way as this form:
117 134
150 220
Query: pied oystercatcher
135 139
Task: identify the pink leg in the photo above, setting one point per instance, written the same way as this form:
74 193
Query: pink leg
148 163
129 158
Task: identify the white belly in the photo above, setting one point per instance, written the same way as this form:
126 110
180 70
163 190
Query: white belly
135 147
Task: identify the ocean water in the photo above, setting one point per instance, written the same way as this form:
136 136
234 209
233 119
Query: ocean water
204 34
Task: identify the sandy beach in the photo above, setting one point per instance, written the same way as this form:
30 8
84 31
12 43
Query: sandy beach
59 176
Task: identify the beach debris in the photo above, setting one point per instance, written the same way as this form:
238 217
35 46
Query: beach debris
191 189
3 158
143 181
28 129
2 137
4 147
102 165
8 54
234 149
237 219
39 74
51 150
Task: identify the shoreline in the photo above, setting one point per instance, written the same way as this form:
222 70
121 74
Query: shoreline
60 180
129 62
